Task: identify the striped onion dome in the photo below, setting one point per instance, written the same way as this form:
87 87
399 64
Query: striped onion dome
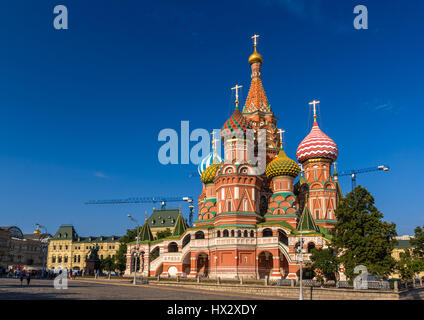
317 145
282 166
207 161
235 126
208 175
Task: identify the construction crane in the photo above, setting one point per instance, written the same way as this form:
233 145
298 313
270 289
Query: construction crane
161 200
353 173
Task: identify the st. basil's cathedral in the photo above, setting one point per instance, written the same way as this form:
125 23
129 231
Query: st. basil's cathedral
251 225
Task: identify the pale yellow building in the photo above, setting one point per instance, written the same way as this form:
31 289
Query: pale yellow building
403 243
68 249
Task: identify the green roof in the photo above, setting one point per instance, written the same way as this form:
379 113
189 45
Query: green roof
180 226
146 233
307 223
403 244
163 218
66 232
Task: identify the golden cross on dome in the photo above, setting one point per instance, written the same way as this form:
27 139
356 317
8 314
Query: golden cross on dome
314 104
237 96
281 132
255 39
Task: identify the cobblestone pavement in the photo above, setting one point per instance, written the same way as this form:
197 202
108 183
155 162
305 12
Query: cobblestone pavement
10 289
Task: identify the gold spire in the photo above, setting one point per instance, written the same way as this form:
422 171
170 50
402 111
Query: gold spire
255 56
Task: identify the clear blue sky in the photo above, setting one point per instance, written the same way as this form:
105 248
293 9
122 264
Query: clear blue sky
81 109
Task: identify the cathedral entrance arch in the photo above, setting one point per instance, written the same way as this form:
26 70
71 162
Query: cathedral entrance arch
186 264
265 264
202 265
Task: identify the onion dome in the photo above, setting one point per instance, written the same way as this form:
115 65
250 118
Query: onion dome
235 126
282 166
207 161
208 175
317 145
255 57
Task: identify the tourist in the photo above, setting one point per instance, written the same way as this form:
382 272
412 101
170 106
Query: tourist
28 278
21 277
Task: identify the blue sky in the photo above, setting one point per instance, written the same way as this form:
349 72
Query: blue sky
81 109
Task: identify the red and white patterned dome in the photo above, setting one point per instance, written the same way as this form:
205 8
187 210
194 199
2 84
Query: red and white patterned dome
317 145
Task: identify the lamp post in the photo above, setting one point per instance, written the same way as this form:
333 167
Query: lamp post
136 248
300 250
44 245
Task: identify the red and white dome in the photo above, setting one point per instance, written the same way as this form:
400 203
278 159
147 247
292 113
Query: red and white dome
317 145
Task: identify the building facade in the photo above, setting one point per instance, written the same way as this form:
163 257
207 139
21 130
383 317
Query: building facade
68 249
22 251
251 224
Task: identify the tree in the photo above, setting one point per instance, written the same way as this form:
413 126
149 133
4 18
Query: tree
361 237
121 254
409 265
417 242
324 263
164 233
411 261
108 264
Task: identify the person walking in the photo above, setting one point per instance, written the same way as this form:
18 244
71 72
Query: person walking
21 277
28 278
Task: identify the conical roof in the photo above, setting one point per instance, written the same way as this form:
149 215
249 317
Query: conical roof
307 223
180 226
146 233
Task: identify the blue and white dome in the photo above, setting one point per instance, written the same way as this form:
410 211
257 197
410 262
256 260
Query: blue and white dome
207 161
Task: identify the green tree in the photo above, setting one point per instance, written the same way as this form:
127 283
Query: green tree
108 264
361 237
325 263
417 242
121 255
411 261
164 233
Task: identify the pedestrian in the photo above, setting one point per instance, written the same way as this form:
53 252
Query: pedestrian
21 277
28 278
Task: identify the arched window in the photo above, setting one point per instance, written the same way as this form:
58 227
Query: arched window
232 233
297 246
282 237
252 234
173 247
79 258
225 233
311 246
53 259
239 233
186 240
199 235
218 234
267 232
59 259
245 233
75 259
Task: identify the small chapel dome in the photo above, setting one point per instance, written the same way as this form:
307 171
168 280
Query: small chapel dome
282 166
207 161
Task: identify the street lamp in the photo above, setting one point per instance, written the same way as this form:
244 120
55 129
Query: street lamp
300 251
44 245
136 248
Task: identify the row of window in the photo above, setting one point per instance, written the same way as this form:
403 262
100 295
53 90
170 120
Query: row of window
227 233
79 248
77 259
